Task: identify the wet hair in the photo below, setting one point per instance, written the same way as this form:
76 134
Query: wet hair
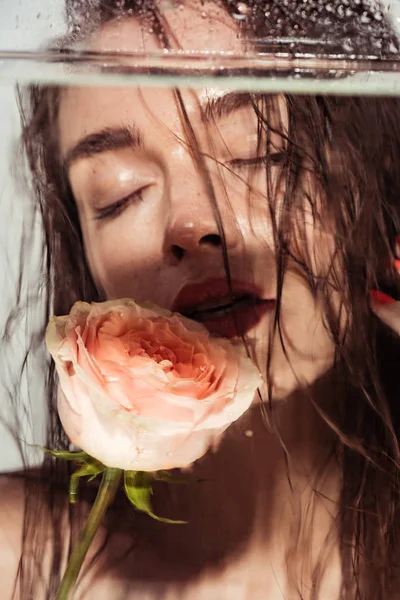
351 146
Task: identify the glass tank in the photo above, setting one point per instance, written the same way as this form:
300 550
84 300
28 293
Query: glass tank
283 47
315 46
200 223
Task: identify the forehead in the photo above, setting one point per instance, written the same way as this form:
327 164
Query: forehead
191 25
194 27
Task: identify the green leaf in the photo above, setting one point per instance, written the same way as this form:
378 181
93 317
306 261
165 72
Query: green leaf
90 468
138 491
65 455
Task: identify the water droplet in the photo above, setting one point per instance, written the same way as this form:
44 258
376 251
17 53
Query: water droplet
242 8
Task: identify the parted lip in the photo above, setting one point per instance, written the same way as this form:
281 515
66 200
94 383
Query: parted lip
198 296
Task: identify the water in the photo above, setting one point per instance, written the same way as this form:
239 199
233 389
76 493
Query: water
342 48
294 46
274 70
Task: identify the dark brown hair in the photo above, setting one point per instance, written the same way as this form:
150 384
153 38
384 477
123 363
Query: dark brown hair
352 147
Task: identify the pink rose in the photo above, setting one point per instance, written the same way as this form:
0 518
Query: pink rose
144 389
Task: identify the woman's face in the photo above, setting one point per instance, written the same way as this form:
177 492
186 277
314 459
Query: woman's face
146 210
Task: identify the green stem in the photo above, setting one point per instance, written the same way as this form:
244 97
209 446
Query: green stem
105 496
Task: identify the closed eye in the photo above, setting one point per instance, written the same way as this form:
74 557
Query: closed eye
256 161
116 208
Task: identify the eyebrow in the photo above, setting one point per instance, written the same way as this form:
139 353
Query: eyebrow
119 138
218 107
105 140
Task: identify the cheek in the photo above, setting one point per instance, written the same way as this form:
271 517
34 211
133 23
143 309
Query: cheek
307 350
313 245
250 206
123 257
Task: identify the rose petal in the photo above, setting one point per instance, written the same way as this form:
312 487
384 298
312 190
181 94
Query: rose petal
142 388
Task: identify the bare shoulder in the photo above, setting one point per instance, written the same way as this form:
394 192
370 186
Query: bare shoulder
20 537
11 529
11 514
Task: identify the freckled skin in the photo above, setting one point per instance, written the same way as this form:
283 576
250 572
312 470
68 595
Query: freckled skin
133 253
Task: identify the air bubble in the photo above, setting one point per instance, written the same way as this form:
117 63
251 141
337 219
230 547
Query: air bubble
340 10
365 18
347 45
240 11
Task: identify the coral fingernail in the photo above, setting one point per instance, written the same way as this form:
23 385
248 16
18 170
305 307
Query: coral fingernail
381 297
397 245
396 263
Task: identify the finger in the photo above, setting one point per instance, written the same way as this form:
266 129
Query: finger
397 246
396 261
386 308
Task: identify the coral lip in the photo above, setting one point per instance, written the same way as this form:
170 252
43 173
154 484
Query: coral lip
194 294
237 320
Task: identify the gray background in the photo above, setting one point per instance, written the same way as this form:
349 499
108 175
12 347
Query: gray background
24 24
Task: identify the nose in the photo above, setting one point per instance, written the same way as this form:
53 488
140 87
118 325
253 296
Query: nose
200 217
